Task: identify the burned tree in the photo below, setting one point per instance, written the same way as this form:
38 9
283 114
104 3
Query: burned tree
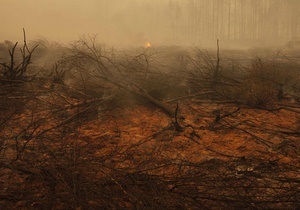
14 70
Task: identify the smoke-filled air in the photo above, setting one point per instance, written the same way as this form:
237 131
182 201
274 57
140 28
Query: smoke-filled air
163 22
149 104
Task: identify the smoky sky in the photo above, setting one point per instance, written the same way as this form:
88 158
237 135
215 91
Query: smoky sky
54 19
119 21
134 22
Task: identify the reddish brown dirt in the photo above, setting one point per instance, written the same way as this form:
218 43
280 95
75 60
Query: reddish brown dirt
142 139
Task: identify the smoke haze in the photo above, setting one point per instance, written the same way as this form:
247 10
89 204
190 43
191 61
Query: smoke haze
134 22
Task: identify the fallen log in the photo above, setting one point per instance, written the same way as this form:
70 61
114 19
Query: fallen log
143 94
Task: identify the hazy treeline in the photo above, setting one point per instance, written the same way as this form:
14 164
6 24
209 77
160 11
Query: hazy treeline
271 20
161 22
202 21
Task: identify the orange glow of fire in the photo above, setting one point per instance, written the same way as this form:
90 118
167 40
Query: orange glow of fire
147 44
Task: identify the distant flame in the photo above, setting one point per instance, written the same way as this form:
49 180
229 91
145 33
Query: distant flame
147 44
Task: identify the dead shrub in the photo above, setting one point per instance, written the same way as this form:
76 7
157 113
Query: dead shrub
209 73
264 83
257 93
